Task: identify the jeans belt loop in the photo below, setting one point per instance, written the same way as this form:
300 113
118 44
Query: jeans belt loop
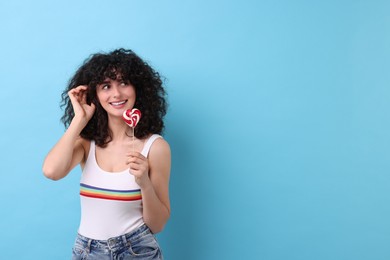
124 240
89 246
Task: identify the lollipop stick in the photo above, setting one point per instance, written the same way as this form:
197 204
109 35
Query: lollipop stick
133 139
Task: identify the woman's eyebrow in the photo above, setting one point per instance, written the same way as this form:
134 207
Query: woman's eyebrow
106 81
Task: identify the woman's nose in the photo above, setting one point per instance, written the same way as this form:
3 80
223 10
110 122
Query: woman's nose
115 91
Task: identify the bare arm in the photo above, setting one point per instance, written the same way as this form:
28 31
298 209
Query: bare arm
155 185
65 155
69 150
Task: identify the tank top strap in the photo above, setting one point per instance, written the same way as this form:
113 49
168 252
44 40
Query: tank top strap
91 154
148 144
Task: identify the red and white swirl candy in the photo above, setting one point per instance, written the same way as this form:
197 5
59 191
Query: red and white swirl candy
132 117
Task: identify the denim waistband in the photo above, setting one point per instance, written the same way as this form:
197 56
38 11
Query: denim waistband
114 242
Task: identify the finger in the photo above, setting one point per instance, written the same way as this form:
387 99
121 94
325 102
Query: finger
132 158
81 87
136 155
78 94
75 93
132 172
72 96
83 97
135 160
138 166
77 90
135 168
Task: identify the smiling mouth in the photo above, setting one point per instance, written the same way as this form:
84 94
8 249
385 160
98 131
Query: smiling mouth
118 103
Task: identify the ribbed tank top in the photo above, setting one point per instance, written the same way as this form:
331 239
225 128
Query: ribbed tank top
111 202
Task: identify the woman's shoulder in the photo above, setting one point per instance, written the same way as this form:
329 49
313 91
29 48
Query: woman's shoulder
160 146
156 140
160 156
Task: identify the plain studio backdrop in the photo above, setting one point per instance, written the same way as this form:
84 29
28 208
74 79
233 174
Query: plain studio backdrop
278 122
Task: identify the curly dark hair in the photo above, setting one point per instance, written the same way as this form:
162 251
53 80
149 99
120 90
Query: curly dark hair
150 93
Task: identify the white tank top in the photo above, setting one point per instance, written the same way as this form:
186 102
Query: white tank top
111 202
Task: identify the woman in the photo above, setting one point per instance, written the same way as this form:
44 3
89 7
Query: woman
124 190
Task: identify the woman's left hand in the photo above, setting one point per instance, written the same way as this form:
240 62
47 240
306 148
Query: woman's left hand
139 167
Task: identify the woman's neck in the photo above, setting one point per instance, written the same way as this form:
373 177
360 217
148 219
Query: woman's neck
119 130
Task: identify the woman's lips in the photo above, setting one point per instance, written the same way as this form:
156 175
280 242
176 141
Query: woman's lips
118 104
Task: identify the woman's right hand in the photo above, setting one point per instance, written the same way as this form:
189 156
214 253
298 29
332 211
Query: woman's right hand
78 97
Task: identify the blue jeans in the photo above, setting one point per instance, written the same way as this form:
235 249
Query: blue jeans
139 244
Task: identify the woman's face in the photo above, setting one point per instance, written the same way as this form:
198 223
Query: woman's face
116 96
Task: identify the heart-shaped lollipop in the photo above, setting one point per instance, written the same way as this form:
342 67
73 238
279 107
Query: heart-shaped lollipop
132 117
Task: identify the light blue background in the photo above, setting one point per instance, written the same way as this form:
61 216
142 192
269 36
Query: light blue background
278 123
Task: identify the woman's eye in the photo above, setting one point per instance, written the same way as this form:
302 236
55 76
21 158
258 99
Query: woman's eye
105 86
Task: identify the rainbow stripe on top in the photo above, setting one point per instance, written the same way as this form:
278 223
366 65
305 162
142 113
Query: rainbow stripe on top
100 193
